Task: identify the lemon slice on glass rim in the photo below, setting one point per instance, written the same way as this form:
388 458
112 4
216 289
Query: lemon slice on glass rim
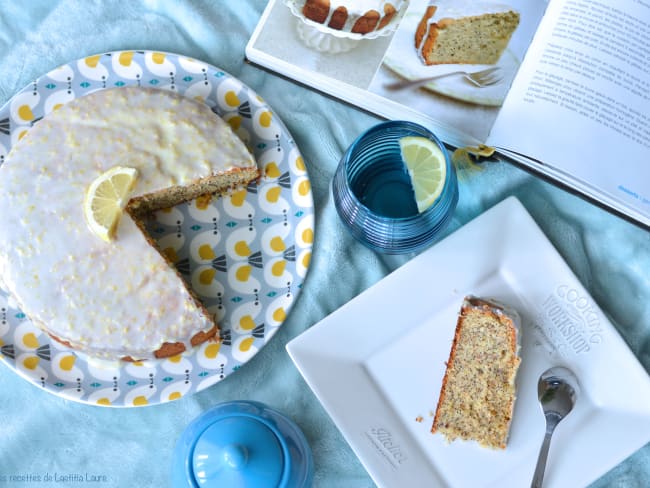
106 198
427 169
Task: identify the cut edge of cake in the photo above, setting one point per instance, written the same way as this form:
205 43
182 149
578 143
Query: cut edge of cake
141 207
478 391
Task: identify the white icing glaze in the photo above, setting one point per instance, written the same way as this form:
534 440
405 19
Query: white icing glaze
457 9
108 299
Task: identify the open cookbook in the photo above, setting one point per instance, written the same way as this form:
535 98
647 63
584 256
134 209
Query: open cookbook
572 102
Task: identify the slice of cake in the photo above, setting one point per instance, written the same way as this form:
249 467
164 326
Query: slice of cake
464 32
356 16
121 298
478 390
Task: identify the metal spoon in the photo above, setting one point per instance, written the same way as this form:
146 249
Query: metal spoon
557 389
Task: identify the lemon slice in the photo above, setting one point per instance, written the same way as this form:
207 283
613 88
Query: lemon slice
427 169
106 198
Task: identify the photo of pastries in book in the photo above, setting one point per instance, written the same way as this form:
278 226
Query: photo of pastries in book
354 16
338 26
478 391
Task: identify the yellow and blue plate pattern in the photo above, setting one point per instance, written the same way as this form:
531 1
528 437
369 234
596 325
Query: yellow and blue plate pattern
246 254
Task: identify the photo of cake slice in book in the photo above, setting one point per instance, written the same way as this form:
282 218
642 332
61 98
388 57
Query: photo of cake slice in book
475 33
438 39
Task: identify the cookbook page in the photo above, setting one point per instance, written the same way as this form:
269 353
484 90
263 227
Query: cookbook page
358 70
581 102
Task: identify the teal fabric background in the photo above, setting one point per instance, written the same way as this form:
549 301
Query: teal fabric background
41 433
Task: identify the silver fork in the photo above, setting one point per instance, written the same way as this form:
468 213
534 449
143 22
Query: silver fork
486 77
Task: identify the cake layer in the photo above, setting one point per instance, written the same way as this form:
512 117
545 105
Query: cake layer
478 390
464 32
121 298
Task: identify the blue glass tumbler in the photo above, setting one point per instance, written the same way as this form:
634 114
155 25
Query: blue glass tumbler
373 194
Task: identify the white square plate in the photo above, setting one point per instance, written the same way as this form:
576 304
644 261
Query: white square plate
377 363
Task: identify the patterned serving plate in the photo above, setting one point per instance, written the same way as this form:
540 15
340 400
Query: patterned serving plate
246 254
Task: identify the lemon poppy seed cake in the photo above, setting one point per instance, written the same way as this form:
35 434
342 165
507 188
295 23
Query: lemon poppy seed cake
111 295
478 390
464 32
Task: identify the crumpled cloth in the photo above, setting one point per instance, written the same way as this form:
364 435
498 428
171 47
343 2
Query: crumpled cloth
45 434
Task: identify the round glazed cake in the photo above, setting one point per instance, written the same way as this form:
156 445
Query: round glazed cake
355 16
120 299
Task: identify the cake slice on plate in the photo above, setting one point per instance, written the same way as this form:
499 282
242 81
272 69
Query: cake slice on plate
478 390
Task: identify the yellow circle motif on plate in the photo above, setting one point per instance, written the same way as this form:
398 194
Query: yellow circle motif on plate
206 252
247 322
279 315
238 198
273 195
300 163
203 201
277 244
246 344
175 359
92 61
304 187
31 362
271 170
265 119
25 113
212 350
67 362
308 236
231 99
125 58
158 58
207 276
140 400
30 340
278 268
242 249
243 273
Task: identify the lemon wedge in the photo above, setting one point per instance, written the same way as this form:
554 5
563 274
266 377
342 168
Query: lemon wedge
106 198
427 169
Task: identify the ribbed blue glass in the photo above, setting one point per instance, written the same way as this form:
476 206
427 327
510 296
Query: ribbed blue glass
388 229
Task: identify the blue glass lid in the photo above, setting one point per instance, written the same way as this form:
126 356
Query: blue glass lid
238 450
242 444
